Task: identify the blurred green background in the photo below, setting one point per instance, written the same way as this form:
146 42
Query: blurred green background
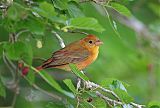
127 57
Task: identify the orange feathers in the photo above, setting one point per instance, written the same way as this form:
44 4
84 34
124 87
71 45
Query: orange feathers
81 53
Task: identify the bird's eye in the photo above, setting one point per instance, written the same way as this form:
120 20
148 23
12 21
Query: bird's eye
90 42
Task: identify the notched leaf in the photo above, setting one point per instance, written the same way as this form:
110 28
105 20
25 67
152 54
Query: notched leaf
84 23
120 8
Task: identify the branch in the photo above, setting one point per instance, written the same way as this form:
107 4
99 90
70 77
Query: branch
93 85
61 42
137 105
3 7
13 84
111 101
19 33
10 66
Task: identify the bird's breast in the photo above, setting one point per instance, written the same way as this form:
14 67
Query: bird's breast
91 58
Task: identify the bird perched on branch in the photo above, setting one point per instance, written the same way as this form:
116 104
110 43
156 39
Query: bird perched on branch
81 53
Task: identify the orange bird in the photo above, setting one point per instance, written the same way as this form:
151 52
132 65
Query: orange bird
81 53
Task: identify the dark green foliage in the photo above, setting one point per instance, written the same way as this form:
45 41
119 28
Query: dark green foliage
19 50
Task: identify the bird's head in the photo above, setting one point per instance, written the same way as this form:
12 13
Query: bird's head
91 42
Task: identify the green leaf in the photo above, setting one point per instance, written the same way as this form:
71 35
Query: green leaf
2 89
49 79
154 104
46 10
31 76
91 100
113 83
35 26
59 19
124 96
60 4
74 11
84 23
16 12
119 88
19 50
121 91
98 103
70 85
85 104
91 93
117 84
12 13
77 72
107 82
121 9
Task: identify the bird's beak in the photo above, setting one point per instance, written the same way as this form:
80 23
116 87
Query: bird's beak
98 43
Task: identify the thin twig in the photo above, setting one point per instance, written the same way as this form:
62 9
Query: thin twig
9 66
61 42
114 102
14 100
93 85
111 101
137 105
3 6
19 33
108 16
77 106
13 84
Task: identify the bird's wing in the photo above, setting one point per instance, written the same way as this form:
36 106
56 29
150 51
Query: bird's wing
66 56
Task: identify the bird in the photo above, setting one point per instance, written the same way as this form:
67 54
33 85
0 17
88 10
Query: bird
82 53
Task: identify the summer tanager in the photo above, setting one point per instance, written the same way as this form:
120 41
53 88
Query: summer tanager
81 53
